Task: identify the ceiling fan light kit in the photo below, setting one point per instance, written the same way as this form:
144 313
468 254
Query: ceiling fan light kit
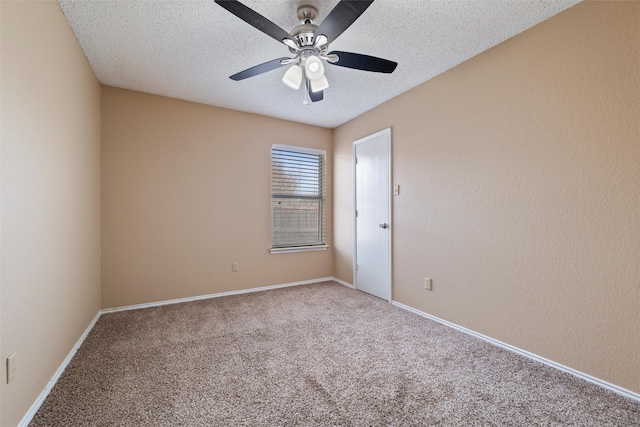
293 77
309 43
319 84
313 68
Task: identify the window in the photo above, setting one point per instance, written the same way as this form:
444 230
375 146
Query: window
297 199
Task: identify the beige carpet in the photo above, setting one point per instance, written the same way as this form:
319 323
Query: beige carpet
320 354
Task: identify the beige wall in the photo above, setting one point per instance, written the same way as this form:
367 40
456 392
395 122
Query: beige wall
520 175
520 191
186 192
50 198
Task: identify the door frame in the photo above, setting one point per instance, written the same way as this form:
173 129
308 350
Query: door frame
385 132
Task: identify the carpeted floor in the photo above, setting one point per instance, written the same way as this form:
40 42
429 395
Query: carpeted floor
319 354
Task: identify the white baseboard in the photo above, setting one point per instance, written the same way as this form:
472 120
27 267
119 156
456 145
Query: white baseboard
36 405
216 295
342 282
597 381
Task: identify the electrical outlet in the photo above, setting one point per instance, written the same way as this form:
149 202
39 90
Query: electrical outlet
234 266
427 283
11 368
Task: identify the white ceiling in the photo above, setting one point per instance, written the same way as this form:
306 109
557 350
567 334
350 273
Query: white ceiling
187 49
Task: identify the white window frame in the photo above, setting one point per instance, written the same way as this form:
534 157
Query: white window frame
290 249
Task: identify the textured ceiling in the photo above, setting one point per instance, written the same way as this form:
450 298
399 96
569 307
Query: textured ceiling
187 49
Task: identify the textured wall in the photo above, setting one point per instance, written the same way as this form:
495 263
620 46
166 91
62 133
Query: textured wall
520 191
50 198
185 192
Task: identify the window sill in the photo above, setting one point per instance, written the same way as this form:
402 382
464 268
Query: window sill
299 249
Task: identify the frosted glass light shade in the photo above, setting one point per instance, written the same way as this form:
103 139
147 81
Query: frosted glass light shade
319 84
293 77
313 68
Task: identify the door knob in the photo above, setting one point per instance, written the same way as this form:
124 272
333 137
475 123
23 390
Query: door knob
383 225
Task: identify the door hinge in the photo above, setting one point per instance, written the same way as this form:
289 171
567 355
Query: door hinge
356 160
356 267
356 213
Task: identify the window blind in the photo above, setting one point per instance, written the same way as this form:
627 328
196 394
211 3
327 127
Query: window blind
297 197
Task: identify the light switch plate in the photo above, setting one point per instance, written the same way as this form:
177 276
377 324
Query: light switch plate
11 368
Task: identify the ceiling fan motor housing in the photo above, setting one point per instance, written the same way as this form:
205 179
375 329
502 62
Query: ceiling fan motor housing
304 33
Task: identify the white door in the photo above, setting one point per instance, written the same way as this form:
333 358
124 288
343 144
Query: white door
372 166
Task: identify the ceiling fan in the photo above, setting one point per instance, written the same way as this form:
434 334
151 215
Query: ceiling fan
309 44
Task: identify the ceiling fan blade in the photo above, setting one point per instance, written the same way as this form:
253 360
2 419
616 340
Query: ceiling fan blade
258 69
363 62
253 18
314 96
341 17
